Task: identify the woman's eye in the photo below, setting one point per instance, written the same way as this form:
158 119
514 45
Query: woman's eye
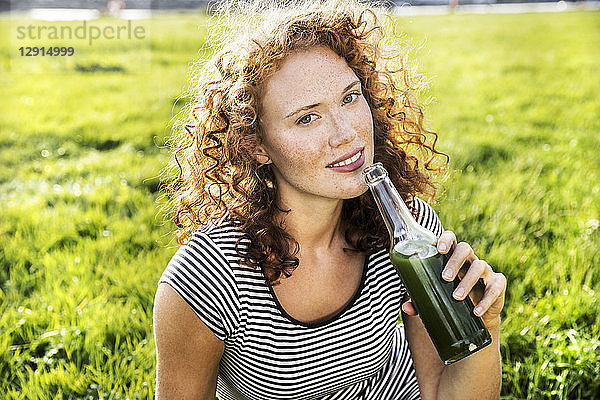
307 119
350 97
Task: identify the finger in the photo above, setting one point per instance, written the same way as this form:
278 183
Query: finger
463 252
493 291
446 241
408 308
477 270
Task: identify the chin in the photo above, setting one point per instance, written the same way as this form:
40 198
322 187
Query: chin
355 192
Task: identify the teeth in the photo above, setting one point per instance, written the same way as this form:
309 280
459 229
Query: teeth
348 160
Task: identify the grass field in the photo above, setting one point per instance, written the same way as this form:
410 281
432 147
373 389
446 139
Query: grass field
81 246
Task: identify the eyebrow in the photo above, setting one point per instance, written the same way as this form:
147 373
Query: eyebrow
315 105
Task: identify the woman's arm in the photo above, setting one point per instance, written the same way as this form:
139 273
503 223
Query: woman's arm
188 353
478 376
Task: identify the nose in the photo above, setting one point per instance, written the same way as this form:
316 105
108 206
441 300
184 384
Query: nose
342 131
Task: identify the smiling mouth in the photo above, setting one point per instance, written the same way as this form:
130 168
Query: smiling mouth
347 161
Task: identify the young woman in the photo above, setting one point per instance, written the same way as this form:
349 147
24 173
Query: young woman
283 288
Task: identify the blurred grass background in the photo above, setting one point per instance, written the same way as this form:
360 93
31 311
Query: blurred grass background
81 247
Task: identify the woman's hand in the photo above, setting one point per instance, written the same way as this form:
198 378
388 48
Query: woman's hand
487 298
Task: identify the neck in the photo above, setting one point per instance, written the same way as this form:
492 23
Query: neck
315 224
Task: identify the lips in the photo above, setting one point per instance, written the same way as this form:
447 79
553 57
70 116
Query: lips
349 162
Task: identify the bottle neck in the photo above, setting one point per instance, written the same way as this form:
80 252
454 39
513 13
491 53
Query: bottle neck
391 207
396 215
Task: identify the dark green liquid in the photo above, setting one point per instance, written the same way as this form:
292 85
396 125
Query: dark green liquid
455 331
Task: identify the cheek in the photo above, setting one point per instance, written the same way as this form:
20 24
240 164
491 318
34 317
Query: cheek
293 152
366 118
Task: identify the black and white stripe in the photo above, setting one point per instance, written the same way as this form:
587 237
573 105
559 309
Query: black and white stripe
359 354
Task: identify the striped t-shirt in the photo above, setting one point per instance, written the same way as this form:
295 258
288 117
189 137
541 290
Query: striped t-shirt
360 353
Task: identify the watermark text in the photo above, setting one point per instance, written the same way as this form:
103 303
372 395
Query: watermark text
82 31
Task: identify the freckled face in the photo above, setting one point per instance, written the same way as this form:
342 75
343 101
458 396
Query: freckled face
318 127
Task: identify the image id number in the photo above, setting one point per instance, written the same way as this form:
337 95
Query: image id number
46 51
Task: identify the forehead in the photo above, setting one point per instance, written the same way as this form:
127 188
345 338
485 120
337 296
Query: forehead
306 77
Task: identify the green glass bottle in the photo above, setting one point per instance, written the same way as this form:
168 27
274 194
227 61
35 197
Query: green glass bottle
454 329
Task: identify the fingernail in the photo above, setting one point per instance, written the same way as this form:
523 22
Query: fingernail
477 310
459 293
447 275
442 247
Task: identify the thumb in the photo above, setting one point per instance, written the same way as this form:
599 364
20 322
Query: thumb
409 308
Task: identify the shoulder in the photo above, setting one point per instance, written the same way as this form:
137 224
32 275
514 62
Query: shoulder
212 246
224 236
426 216
209 257
202 273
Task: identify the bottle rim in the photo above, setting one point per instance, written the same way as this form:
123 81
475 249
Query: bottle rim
374 173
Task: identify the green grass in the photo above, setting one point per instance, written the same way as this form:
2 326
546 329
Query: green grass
81 248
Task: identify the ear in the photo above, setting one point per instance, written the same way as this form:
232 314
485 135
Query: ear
261 156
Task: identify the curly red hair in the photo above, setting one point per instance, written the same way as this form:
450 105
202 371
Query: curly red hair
218 175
